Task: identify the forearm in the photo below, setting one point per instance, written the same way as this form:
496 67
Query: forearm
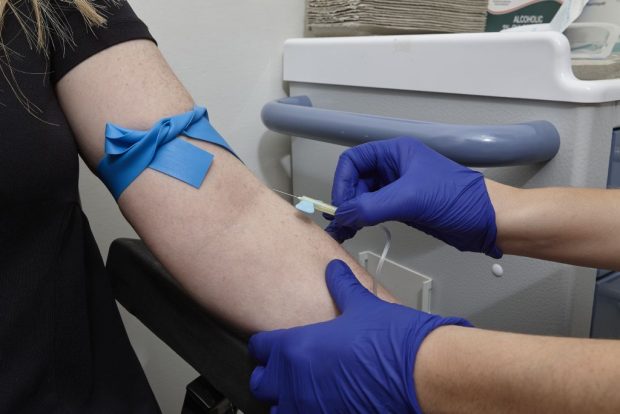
570 225
242 251
472 370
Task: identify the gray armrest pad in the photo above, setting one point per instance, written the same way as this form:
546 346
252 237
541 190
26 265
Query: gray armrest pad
147 290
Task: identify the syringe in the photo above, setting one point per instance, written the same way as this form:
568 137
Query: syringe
309 204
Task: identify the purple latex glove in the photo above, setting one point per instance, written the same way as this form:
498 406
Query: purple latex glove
402 179
360 362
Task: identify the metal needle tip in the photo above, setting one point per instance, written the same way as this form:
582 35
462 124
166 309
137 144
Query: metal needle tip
286 194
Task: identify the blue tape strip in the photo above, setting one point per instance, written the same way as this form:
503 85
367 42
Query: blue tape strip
130 152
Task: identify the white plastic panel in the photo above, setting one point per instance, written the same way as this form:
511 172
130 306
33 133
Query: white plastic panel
511 65
411 288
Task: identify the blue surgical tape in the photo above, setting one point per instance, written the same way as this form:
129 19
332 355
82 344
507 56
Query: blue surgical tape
129 152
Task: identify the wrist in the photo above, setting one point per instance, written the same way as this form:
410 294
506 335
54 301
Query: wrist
504 200
429 339
432 365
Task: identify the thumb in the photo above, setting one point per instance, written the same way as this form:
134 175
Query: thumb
263 384
262 343
339 233
344 287
369 209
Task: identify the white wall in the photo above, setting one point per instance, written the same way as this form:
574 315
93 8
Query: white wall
228 54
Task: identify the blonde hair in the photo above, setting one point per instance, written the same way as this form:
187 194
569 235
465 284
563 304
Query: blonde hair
43 21
46 19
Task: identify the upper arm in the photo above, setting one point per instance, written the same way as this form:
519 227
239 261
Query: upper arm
129 84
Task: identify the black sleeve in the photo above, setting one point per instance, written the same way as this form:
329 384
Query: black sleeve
122 25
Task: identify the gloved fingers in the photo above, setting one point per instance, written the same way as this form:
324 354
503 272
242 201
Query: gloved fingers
292 405
334 229
345 179
356 167
340 233
327 217
263 385
371 208
344 287
366 210
368 185
362 186
274 410
262 343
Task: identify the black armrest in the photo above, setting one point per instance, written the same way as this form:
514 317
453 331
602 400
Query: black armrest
147 290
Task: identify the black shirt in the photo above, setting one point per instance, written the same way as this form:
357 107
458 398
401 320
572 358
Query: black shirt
63 347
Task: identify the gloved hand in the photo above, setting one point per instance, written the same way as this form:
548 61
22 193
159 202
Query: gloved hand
404 180
360 362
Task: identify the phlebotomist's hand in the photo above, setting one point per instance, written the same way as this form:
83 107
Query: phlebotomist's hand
360 362
404 180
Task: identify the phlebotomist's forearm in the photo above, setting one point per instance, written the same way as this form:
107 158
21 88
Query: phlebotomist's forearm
571 225
476 371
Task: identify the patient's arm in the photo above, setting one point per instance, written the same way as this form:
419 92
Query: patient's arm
239 249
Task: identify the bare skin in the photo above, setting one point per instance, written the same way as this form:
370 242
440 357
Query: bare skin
579 226
472 370
239 249
476 371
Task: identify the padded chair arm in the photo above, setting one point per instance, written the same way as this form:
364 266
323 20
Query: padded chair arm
149 292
